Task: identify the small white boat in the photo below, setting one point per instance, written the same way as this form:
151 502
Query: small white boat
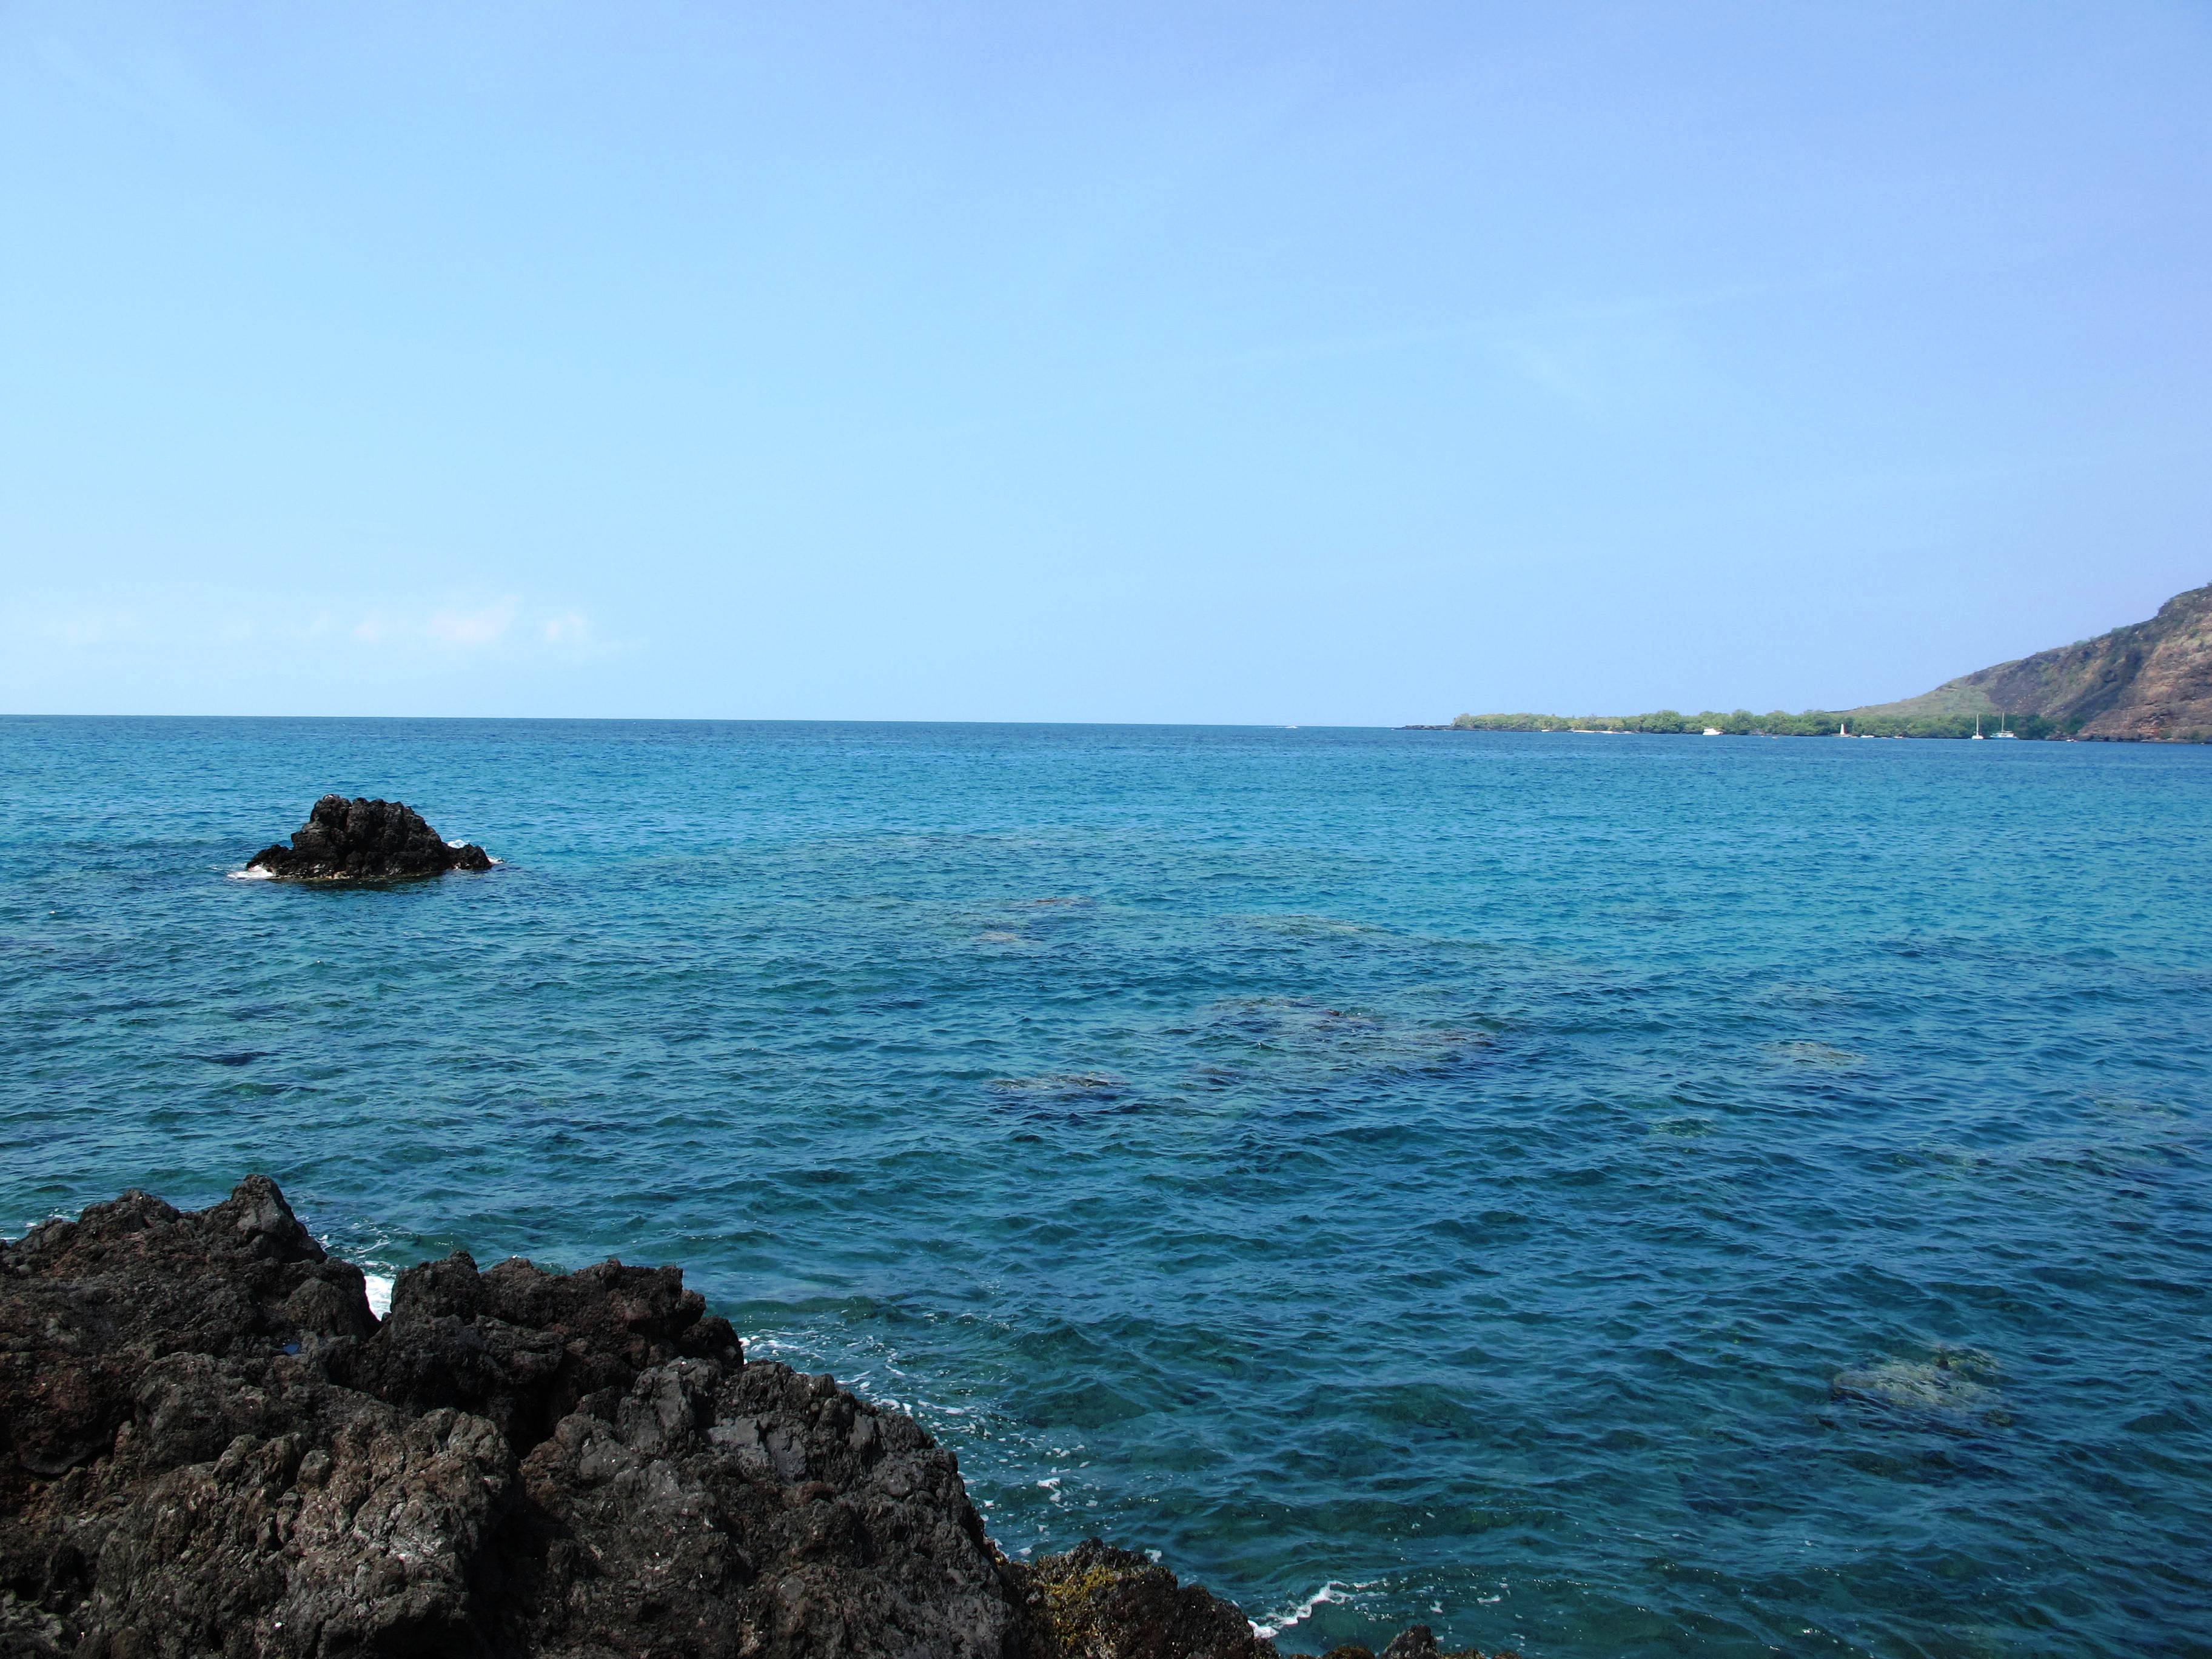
2013 736
1977 728
1713 731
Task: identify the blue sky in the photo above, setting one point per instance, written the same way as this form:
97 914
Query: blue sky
1270 362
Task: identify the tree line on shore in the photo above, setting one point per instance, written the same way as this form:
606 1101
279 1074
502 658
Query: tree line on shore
1742 723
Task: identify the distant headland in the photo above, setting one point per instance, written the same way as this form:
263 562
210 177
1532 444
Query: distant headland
2150 681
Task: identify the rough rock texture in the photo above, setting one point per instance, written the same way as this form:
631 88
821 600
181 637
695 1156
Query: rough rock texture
212 1447
209 1446
362 840
1418 1643
2149 680
1098 1603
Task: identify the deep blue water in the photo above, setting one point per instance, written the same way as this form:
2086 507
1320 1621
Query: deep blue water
1604 1195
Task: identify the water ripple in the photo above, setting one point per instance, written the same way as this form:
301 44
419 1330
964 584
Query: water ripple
1656 1197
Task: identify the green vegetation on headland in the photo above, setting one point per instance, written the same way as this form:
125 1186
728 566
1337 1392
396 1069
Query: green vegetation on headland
1742 723
2148 682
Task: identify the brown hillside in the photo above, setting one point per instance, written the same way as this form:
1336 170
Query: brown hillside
2149 680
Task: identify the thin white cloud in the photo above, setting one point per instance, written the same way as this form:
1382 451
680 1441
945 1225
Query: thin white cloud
463 629
469 630
91 630
571 628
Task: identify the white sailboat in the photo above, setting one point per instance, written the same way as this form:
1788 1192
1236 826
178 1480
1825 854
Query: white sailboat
1977 728
2012 736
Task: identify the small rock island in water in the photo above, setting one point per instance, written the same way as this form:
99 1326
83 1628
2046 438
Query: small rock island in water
362 840
209 1445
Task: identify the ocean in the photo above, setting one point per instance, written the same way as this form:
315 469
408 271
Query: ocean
1595 1196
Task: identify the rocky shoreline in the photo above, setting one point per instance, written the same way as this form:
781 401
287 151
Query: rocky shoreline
208 1445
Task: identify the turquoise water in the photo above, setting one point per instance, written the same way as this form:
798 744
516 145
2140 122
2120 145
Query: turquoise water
1605 1196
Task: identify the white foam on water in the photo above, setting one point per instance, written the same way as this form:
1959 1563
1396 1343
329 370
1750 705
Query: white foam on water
380 1293
1332 1591
252 875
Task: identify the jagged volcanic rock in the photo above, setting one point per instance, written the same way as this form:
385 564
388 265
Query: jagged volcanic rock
1098 1603
214 1448
210 1445
362 840
1098 1600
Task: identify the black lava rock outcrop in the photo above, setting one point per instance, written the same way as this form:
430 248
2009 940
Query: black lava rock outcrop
1099 1600
209 1445
1098 1603
362 840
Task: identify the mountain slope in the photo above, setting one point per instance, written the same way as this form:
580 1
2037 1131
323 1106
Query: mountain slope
2147 682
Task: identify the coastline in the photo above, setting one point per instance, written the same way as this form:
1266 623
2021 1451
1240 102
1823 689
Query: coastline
1813 723
215 1443
2144 683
